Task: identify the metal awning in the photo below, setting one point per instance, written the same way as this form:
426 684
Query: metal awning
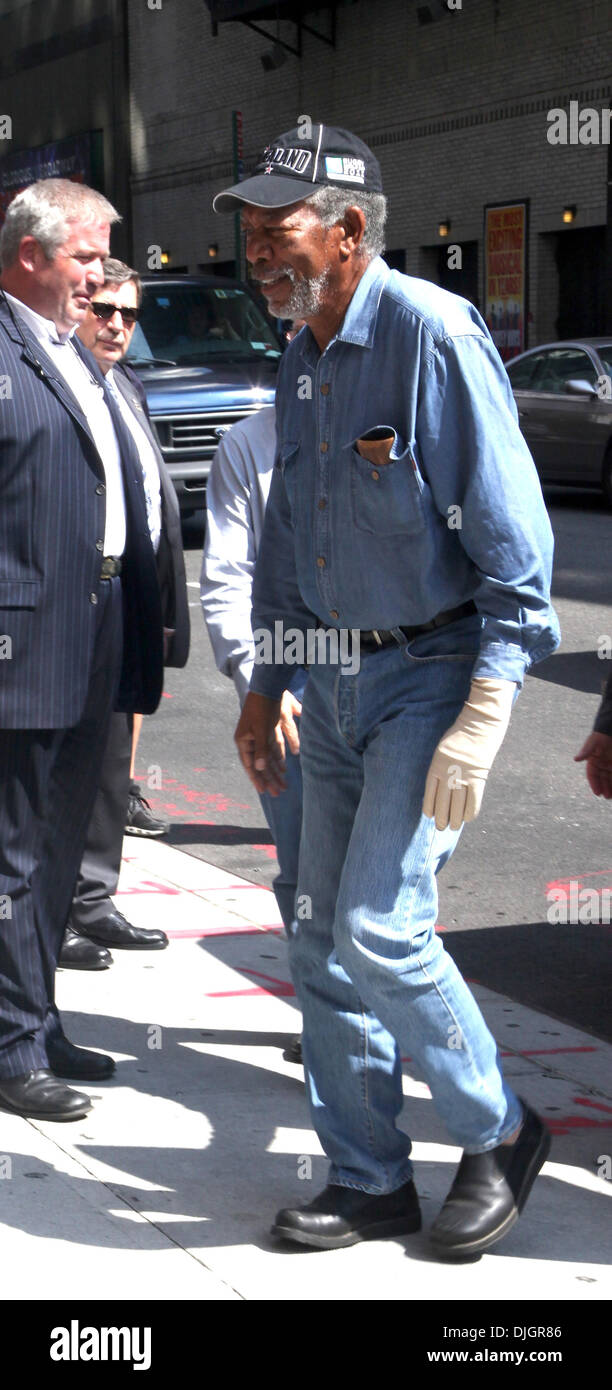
250 12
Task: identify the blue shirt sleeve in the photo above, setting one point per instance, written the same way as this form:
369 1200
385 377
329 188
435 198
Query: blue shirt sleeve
484 482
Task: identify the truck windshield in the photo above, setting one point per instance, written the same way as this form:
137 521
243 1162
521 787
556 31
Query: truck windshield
191 324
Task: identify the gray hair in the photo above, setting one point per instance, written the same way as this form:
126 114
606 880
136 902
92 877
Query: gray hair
118 273
331 203
44 211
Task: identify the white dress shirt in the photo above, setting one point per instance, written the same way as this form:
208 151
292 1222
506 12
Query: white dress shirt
90 398
236 496
148 461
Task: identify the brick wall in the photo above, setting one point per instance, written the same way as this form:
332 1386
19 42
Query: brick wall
455 110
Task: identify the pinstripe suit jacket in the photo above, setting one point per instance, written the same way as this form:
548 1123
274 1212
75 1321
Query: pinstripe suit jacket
52 515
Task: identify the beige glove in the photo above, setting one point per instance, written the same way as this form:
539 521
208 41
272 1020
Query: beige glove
464 757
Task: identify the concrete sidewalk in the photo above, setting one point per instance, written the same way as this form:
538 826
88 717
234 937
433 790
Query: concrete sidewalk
168 1188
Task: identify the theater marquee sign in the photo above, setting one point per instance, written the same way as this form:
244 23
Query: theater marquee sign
505 273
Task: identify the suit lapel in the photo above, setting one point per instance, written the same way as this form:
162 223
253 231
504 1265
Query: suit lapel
130 394
44 367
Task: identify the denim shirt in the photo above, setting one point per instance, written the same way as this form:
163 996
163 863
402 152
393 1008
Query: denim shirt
455 514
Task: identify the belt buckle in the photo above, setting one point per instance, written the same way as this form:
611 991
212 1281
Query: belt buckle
377 638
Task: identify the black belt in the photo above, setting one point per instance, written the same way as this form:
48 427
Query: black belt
373 639
110 567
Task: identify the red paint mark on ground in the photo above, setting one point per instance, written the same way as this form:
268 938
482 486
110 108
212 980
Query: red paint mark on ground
198 933
166 696
193 799
284 988
268 850
563 1124
593 1104
547 1051
149 885
563 886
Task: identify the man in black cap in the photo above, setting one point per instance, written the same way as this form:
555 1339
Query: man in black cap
405 509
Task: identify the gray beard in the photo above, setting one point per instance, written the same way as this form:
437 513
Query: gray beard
307 296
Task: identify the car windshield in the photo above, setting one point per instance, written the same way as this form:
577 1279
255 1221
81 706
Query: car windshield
605 356
191 324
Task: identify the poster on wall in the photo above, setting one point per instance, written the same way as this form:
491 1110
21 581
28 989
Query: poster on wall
63 159
505 272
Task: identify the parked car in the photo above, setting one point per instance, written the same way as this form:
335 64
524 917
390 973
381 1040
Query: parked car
563 393
207 356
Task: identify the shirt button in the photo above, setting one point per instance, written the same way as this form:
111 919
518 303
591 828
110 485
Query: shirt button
325 389
100 489
324 447
333 613
322 504
320 562
93 598
99 545
375 475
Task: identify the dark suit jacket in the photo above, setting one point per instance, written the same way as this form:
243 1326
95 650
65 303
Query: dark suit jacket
52 514
170 557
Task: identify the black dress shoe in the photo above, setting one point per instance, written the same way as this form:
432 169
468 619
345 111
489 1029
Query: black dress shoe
79 953
115 930
38 1096
78 1063
490 1191
342 1216
293 1051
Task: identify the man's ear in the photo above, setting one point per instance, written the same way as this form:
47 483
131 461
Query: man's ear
353 226
30 253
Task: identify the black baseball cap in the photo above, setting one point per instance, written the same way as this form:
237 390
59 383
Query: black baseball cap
293 167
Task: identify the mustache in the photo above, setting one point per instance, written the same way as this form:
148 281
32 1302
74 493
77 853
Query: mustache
271 277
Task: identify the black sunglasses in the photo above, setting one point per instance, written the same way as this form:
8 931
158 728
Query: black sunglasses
104 310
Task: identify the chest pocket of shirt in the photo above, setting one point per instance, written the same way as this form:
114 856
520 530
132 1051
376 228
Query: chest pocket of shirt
386 499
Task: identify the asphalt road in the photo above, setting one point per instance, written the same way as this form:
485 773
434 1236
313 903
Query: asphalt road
539 826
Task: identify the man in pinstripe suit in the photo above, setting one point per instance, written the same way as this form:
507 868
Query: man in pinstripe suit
77 577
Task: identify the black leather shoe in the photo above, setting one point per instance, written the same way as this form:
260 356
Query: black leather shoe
79 953
38 1096
293 1051
114 930
78 1063
490 1191
342 1216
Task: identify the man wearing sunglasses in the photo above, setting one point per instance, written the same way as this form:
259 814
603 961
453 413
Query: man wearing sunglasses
95 924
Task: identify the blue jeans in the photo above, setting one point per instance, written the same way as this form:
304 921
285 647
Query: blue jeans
284 816
373 979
